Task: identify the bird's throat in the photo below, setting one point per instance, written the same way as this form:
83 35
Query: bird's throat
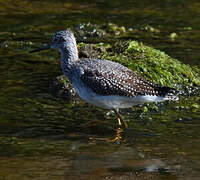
68 58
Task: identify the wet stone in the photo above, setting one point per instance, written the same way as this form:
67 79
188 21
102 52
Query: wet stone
90 51
61 88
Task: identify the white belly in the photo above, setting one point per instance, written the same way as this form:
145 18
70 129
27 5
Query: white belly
114 101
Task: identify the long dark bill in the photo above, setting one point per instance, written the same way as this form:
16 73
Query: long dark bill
48 46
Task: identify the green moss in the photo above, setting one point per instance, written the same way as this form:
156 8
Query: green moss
154 65
81 44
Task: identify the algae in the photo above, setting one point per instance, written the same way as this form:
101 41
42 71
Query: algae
154 65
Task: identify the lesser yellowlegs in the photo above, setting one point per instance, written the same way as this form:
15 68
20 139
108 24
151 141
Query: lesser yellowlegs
104 83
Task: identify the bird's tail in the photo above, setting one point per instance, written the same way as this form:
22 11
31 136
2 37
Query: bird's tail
168 93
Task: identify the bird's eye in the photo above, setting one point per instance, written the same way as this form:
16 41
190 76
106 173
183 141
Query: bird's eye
55 39
61 39
58 39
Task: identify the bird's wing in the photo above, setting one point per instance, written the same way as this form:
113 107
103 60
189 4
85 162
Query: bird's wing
115 79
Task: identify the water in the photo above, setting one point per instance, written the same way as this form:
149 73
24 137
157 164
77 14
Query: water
47 137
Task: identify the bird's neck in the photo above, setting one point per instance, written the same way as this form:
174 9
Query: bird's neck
69 56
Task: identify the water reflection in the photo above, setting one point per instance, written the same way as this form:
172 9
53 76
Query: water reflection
122 162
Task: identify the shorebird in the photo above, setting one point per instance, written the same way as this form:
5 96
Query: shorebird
104 83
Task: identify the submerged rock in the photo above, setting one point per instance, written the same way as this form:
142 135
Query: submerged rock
61 88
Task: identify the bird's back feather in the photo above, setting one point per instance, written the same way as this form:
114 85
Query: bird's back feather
109 78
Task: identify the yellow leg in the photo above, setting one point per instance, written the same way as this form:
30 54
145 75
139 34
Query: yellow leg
121 123
117 138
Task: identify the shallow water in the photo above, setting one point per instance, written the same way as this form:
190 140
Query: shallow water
47 137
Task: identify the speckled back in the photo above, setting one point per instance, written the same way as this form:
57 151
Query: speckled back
110 78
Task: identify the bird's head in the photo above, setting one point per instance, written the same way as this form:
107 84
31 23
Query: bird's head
62 39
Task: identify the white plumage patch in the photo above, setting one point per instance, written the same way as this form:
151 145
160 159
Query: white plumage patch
114 101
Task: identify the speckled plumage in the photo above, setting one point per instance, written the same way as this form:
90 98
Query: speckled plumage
105 83
110 78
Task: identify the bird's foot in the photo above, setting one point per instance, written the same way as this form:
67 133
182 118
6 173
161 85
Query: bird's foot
118 136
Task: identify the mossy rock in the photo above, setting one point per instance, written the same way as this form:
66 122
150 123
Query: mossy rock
154 65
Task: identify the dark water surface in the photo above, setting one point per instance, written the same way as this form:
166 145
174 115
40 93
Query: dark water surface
46 137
